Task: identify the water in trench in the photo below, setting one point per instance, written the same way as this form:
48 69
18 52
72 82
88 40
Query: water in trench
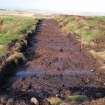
91 92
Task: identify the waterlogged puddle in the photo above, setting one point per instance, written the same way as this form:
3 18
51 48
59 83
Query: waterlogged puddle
25 74
22 74
66 77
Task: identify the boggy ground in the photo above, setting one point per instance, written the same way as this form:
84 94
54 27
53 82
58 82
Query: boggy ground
57 66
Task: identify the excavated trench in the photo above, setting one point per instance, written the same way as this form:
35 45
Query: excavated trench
56 66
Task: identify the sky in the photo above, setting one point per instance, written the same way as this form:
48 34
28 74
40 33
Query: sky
56 5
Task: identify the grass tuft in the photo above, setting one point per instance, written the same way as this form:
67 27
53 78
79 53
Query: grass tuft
87 28
77 98
12 27
54 100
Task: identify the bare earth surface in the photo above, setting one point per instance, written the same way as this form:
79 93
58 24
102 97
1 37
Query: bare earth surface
58 66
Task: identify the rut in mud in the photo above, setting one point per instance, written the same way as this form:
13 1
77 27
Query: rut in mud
57 65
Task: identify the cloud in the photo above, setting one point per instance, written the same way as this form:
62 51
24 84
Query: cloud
57 5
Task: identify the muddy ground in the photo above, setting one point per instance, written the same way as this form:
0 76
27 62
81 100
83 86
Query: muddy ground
56 66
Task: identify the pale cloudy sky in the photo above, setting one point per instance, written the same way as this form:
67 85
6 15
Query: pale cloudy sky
56 5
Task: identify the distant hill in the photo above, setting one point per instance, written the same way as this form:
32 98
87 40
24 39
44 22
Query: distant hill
48 12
